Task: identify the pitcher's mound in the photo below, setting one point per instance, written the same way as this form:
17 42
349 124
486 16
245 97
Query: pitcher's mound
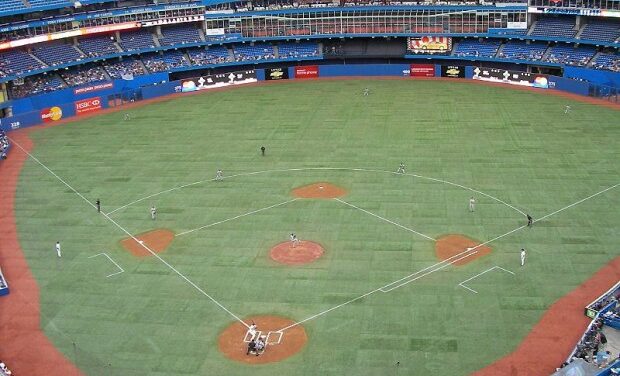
319 190
304 252
279 346
448 247
156 240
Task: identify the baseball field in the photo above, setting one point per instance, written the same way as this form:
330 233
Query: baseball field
392 274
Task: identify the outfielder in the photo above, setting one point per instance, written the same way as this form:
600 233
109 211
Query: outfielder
401 168
366 92
566 109
58 249
522 256
472 204
218 175
153 212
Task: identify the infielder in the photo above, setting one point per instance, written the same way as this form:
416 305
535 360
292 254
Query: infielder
98 203
153 212
218 175
294 240
401 168
522 256
530 220
58 249
472 204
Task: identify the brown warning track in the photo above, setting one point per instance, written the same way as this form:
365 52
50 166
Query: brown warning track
157 241
304 252
230 341
449 246
552 339
23 346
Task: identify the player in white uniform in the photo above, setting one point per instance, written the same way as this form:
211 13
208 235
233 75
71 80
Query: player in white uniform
472 204
567 109
294 240
253 331
366 92
153 212
58 249
522 256
218 175
401 168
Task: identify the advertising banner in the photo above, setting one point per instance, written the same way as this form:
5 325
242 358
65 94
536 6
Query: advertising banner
276 74
511 77
308 71
422 70
429 45
91 88
87 105
218 80
51 114
453 71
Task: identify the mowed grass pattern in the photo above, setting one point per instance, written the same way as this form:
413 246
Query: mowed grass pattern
513 145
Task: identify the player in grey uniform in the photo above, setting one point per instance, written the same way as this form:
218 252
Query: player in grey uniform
472 204
153 212
218 175
401 168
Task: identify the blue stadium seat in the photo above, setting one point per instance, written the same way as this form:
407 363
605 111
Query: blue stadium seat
57 53
601 31
607 61
180 34
476 48
555 27
520 50
569 55
212 55
137 40
164 62
17 62
258 51
9 5
98 46
297 50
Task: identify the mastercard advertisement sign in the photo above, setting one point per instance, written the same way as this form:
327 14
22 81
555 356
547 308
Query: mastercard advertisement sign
51 114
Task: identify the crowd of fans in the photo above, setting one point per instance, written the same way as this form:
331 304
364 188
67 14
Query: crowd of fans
78 77
33 85
125 69
4 147
592 346
563 58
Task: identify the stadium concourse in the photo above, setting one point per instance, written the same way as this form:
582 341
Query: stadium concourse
66 59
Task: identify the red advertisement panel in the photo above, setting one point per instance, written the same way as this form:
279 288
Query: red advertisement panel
87 105
51 114
308 71
422 70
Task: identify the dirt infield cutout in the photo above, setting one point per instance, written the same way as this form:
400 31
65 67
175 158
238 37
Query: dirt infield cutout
304 252
319 190
451 245
157 240
231 341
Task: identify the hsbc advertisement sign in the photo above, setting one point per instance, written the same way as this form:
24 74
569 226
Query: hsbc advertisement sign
87 105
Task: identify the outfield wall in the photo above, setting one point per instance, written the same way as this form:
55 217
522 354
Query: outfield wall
91 98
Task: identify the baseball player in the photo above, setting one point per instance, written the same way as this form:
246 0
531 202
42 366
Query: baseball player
566 109
530 220
218 175
58 249
401 168
472 204
523 256
262 150
253 331
98 203
153 212
294 240
127 116
366 92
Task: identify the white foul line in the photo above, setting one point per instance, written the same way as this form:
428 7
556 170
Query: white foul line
462 284
432 266
318 169
238 216
131 236
385 219
577 203
114 262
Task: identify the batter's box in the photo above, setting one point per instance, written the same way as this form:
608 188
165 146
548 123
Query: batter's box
248 336
274 338
462 284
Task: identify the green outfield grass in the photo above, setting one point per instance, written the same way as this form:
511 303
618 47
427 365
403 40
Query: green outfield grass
516 146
